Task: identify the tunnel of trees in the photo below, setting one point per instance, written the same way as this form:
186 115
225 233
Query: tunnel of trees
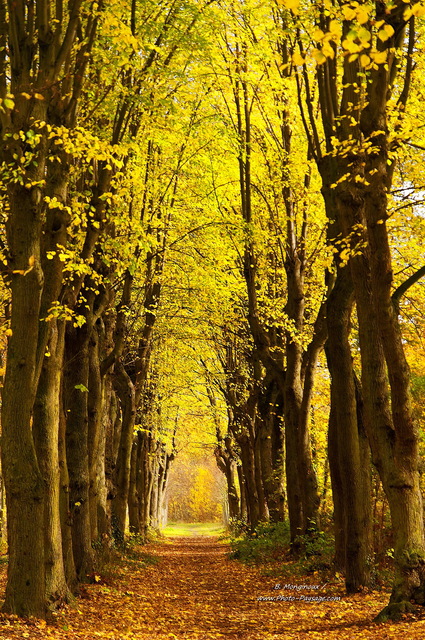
212 214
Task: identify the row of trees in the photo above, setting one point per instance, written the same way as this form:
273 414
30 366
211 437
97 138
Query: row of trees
87 198
351 144
207 195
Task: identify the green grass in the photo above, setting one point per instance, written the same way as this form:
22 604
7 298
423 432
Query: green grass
192 530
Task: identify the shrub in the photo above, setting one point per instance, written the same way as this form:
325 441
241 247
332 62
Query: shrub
266 543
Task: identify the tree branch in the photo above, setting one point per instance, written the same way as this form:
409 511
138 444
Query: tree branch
405 286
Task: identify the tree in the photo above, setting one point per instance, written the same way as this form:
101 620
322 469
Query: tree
46 69
360 113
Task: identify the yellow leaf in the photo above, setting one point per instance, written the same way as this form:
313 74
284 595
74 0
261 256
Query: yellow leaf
319 56
292 5
8 103
362 15
418 10
364 60
328 51
334 28
386 32
379 57
348 12
297 59
318 35
350 46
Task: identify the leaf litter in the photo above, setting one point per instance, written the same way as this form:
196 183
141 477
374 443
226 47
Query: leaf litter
194 591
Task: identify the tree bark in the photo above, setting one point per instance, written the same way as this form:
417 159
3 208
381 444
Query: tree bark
95 428
133 496
64 502
272 448
126 392
25 591
353 473
46 434
76 380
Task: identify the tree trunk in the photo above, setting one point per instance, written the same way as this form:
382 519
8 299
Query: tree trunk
336 483
64 503
126 393
113 435
247 456
153 507
242 489
76 380
133 497
145 482
272 451
353 475
25 591
95 428
262 503
226 462
46 434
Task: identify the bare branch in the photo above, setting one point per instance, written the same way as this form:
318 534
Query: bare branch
405 286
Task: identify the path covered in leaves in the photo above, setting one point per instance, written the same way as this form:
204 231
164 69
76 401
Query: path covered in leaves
193 591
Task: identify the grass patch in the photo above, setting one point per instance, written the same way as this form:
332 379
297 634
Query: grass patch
192 529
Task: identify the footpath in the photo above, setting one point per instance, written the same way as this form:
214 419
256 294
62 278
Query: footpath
193 591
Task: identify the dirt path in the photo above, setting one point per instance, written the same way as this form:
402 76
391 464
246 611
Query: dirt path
195 592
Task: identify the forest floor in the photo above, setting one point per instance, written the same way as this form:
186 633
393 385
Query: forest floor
186 588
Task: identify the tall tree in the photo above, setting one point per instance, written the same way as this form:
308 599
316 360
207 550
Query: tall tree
360 115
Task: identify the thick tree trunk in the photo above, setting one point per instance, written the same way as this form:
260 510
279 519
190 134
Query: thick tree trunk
392 436
262 502
25 591
113 422
395 453
232 493
103 513
226 462
293 489
354 476
46 433
303 497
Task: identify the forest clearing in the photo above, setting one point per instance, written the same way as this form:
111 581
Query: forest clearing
212 295
189 589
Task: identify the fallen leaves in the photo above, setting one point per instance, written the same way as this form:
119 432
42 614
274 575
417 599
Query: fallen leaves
195 592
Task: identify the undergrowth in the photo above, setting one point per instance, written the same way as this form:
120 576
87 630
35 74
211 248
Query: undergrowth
111 558
313 554
266 543
269 545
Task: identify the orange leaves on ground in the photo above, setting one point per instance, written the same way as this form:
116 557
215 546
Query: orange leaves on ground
195 592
